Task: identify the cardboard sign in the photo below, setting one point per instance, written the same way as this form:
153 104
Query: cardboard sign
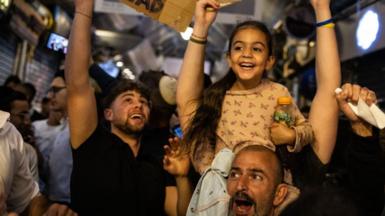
224 3
178 14
175 13
151 8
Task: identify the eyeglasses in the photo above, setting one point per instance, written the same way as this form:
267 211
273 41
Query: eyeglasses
55 89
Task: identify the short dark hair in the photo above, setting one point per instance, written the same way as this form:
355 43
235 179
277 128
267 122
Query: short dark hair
31 89
124 85
12 79
7 96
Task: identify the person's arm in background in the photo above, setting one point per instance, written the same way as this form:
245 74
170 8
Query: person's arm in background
81 100
365 158
191 77
177 164
323 115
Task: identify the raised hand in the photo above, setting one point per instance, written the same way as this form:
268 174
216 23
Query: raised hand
175 162
281 134
351 93
205 13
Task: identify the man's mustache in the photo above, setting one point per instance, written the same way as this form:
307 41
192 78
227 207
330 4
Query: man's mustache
241 197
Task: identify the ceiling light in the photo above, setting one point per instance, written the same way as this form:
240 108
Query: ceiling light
367 30
119 64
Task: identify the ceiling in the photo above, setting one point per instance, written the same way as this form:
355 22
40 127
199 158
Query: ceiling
123 32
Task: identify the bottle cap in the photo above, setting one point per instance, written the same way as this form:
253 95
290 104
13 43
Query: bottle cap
284 100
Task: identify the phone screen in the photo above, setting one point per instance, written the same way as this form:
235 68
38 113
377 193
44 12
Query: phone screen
57 43
177 131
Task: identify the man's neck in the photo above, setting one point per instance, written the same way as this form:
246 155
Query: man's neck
132 141
55 119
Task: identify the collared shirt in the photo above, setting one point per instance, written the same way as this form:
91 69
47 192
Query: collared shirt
107 179
16 182
60 168
45 136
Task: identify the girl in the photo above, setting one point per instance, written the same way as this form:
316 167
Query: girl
238 110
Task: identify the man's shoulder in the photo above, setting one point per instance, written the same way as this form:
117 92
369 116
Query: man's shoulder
100 138
8 131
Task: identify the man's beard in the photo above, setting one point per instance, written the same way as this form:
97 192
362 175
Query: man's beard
242 196
130 130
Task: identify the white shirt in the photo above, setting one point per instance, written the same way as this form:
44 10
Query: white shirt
32 160
210 196
45 136
16 182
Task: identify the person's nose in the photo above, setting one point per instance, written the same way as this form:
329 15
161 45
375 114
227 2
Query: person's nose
138 104
242 183
246 53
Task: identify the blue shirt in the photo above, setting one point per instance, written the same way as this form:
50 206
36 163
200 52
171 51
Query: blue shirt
60 168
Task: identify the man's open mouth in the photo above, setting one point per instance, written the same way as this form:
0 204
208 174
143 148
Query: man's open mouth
242 204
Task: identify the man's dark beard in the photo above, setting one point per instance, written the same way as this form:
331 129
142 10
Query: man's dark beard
127 129
242 196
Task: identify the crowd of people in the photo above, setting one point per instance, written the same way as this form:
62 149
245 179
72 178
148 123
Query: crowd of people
104 146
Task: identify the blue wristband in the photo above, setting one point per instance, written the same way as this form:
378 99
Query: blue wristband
324 22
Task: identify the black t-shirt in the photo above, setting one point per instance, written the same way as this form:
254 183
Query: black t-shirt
108 180
153 140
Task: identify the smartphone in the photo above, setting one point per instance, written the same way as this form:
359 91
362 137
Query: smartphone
57 43
177 131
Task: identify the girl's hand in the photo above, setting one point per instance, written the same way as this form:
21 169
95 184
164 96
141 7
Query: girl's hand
175 161
205 13
281 134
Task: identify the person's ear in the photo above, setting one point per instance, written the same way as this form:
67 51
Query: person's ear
108 114
270 63
280 194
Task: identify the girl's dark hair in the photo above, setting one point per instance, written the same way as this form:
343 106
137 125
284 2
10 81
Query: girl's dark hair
203 126
253 25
